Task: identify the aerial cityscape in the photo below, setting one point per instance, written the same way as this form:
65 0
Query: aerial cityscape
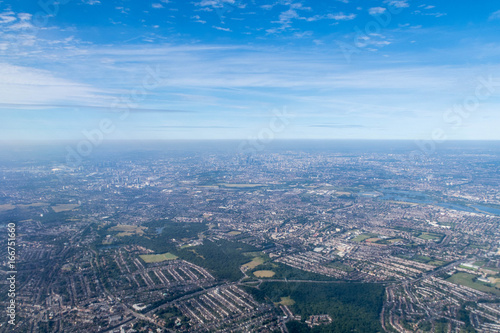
291 166
197 237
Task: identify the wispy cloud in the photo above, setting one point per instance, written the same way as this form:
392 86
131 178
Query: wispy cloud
216 3
7 17
290 59
338 17
342 17
286 17
198 19
91 2
25 85
495 15
189 126
397 3
436 14
337 126
221 28
68 107
376 10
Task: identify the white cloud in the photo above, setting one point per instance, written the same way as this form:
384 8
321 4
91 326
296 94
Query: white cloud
267 7
221 28
337 17
157 5
287 16
303 34
285 20
25 85
298 5
341 16
123 10
495 15
24 16
418 12
376 10
214 3
319 83
23 24
91 2
398 3
7 17
198 19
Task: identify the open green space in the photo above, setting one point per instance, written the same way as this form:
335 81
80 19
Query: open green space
470 280
422 259
151 258
256 261
430 236
354 307
286 301
128 230
362 237
264 274
160 236
468 267
479 263
240 185
437 263
340 265
7 207
64 207
170 315
283 271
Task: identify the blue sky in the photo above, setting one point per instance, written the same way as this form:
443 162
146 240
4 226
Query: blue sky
223 69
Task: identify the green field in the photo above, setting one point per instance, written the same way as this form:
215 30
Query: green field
150 258
23 206
430 236
340 265
283 271
390 241
469 280
479 263
7 207
240 185
264 274
422 259
286 301
362 237
64 207
256 261
128 230
467 267
437 263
